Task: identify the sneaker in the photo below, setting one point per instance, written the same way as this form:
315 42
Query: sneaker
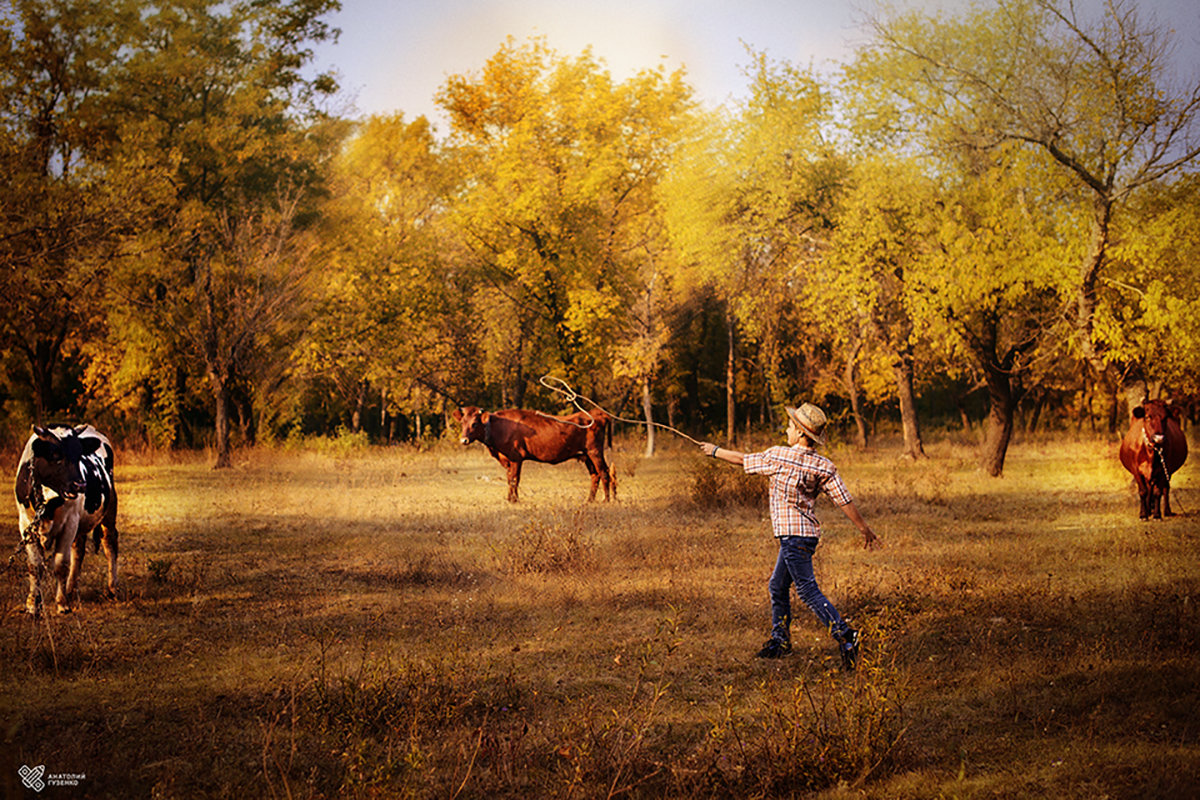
775 648
849 650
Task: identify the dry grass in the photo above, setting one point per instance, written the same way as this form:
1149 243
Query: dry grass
382 624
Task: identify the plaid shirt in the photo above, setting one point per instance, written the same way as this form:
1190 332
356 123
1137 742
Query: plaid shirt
797 475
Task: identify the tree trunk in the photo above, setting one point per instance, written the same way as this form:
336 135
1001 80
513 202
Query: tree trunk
1085 309
648 412
850 381
730 382
360 407
43 358
913 447
246 421
384 431
221 394
999 422
1036 414
518 390
963 417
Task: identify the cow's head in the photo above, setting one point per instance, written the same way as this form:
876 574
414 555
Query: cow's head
1154 422
474 424
56 459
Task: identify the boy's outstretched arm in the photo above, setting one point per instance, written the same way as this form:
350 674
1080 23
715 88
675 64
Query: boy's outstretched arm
722 453
870 540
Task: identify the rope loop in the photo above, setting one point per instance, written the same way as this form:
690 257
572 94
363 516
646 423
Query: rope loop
574 397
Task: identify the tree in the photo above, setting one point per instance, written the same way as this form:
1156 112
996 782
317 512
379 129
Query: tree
751 210
558 211
1093 94
391 303
61 216
212 91
868 297
1148 320
998 273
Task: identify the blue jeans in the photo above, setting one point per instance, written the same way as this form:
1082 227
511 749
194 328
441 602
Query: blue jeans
795 567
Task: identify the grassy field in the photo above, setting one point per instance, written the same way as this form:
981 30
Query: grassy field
381 623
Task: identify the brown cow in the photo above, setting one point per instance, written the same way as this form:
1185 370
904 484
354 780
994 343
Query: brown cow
515 435
1152 450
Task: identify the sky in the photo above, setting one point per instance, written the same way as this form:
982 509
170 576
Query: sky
394 55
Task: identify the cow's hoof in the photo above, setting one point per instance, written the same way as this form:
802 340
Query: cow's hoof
64 609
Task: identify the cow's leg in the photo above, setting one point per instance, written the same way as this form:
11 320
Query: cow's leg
514 480
66 569
109 539
78 552
1166 497
594 474
607 480
36 563
1143 489
601 473
36 533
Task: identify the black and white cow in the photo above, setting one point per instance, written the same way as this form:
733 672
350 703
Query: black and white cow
64 491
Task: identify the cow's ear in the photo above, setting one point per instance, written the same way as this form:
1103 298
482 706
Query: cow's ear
457 414
44 434
24 488
1176 412
45 449
1139 412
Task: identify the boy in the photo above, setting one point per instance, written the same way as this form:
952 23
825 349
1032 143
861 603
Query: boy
798 473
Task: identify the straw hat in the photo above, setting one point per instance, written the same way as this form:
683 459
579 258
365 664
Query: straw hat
810 420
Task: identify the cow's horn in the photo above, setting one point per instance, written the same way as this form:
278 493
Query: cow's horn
44 433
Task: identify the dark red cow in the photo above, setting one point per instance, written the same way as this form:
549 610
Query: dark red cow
515 435
1152 450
